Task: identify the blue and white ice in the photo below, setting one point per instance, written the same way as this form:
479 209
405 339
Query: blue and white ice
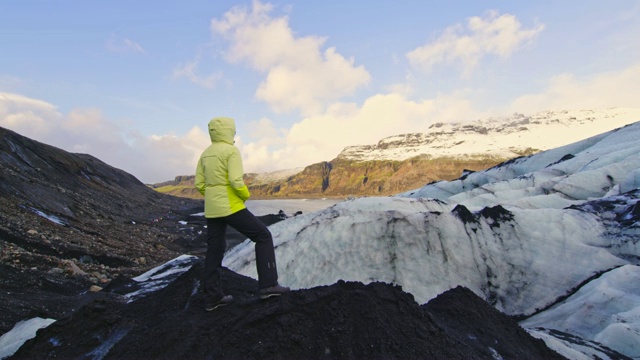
522 235
52 218
606 310
160 276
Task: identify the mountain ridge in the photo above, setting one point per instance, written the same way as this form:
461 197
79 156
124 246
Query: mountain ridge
407 161
502 137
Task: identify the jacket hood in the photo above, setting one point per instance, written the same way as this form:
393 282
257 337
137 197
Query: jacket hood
222 129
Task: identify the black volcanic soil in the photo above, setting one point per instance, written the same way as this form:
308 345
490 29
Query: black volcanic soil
347 320
74 231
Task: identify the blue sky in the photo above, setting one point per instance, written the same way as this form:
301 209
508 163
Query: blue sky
134 83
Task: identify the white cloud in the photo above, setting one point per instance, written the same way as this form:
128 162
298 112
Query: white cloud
299 75
404 89
265 129
322 137
189 70
178 154
123 46
27 116
150 158
494 34
611 89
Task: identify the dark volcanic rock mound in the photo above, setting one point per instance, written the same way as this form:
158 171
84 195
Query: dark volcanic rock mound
347 320
487 331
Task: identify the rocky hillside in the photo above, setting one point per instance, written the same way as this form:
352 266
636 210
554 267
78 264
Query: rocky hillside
71 219
409 161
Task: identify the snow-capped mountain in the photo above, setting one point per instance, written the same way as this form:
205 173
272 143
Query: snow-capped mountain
501 137
553 238
274 176
402 162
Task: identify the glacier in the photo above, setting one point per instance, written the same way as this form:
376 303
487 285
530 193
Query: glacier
543 238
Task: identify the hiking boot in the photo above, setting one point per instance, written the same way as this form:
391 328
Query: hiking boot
210 305
275 290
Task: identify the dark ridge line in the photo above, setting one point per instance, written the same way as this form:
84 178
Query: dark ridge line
564 297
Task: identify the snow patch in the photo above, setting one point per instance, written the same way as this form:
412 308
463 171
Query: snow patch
160 276
11 341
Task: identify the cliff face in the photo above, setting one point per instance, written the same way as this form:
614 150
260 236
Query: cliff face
343 178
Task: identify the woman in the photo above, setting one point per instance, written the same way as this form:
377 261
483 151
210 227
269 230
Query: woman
219 178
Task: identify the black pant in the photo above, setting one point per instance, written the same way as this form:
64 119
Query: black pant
250 226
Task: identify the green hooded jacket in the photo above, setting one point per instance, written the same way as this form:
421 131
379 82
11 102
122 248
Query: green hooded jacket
219 172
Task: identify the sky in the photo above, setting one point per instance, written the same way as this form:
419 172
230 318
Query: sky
135 83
